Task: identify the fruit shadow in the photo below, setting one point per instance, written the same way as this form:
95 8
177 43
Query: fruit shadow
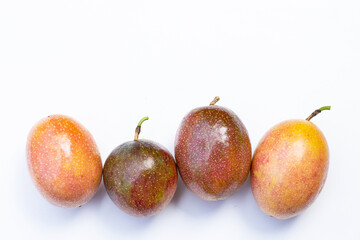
191 204
36 208
98 198
250 213
114 219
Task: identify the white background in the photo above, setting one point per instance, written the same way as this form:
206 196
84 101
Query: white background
108 63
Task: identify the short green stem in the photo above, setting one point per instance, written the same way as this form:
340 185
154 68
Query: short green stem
325 108
138 128
317 111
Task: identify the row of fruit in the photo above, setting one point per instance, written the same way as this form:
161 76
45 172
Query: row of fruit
213 157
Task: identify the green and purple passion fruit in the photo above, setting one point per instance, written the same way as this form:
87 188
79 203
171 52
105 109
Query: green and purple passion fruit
140 176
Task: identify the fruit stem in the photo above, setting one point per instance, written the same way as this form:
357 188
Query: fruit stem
317 111
138 128
216 99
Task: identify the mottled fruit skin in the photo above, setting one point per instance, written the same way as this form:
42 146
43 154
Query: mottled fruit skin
289 168
212 152
140 177
63 161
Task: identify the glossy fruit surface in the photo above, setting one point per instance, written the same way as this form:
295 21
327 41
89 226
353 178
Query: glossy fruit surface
140 177
212 152
289 168
63 161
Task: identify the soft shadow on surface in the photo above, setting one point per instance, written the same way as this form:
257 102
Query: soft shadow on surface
191 204
99 196
35 207
115 219
180 190
250 213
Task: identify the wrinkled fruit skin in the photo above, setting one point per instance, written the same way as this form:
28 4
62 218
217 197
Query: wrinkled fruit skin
63 161
212 152
289 168
140 177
